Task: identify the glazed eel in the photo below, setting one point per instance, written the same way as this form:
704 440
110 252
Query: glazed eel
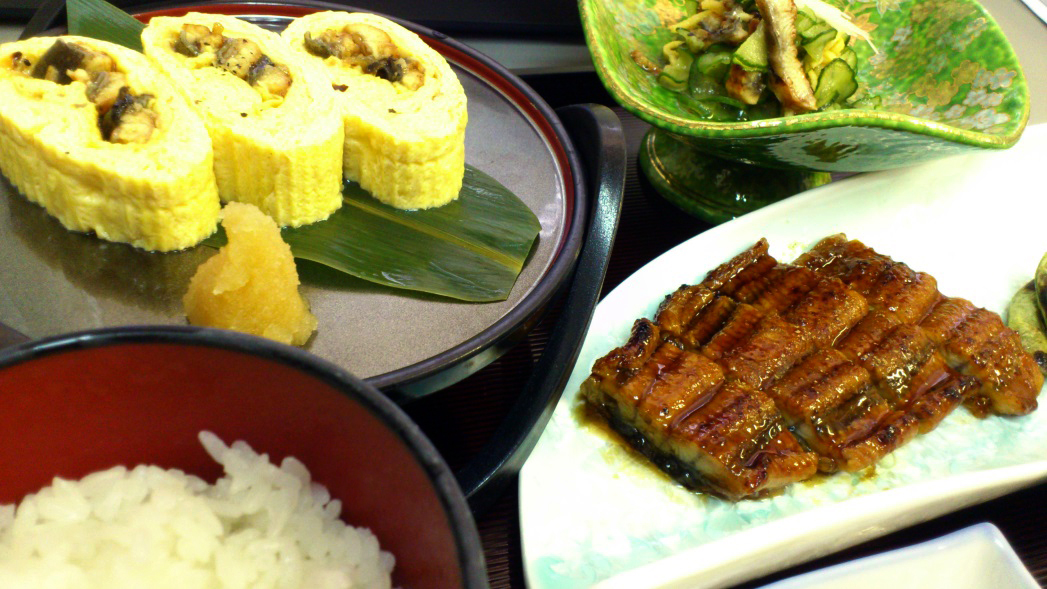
766 373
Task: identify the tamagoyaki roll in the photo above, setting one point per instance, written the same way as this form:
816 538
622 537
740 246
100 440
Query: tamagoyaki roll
404 108
104 142
271 115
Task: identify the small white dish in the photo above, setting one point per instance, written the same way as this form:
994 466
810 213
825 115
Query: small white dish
977 557
1038 7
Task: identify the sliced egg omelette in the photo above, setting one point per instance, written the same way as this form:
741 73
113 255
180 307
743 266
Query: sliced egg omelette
104 142
275 128
404 108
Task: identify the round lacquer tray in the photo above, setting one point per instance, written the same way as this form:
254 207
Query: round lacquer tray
56 281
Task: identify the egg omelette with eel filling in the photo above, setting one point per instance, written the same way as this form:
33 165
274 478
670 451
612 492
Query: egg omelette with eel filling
105 143
276 131
404 108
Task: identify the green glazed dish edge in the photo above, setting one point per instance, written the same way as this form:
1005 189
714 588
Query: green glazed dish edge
946 76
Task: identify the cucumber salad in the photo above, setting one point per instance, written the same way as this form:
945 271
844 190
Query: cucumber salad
737 60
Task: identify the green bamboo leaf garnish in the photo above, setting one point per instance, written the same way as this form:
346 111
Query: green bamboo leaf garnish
99 19
472 249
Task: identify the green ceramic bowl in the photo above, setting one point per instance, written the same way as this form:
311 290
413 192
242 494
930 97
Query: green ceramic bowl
947 79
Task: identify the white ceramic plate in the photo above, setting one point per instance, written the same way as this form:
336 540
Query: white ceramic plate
1038 7
977 557
593 514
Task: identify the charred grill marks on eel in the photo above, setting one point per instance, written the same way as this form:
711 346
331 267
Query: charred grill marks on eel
766 373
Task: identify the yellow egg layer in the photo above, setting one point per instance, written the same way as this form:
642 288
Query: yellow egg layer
282 155
251 284
406 146
158 195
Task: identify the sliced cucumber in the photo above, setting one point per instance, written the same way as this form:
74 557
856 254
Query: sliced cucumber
713 108
675 74
870 102
836 83
725 100
804 21
1040 285
700 85
814 31
1023 316
752 53
816 45
850 57
714 62
669 81
694 44
703 86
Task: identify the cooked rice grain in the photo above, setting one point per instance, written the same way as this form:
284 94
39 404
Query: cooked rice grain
257 527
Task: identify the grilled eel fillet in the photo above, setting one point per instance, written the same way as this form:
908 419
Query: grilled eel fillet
766 372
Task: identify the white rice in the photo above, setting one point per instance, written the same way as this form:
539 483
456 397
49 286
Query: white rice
257 527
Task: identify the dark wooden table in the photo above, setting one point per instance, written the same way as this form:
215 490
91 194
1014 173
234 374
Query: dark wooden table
461 418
